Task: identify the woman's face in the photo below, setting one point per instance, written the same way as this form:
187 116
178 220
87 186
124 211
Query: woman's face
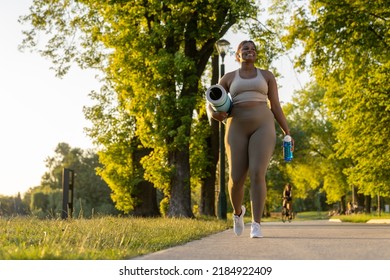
247 52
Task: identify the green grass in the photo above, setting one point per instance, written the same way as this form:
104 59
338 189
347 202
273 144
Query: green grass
313 215
114 238
323 215
361 218
301 216
105 238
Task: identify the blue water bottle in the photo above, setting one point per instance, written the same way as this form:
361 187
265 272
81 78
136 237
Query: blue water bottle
287 148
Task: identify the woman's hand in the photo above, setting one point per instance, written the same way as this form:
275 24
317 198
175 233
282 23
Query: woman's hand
292 144
219 116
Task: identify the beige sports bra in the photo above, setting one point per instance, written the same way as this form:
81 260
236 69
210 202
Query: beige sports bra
253 89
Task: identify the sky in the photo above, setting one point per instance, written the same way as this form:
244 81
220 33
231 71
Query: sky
39 110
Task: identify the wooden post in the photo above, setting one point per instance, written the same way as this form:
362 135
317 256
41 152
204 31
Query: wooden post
67 193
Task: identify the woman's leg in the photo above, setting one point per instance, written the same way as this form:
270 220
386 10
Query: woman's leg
236 144
261 147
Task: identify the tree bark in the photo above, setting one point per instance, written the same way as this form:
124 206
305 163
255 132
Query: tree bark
180 201
148 197
367 204
207 192
147 193
343 205
207 199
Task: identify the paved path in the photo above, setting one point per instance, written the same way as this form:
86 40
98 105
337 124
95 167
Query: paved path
308 240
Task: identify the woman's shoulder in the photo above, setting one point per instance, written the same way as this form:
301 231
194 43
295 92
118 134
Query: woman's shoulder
231 74
268 76
227 79
266 73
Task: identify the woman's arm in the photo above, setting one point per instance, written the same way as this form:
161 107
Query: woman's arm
276 108
225 83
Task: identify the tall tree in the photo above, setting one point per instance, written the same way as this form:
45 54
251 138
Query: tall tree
210 150
347 44
120 154
154 52
315 165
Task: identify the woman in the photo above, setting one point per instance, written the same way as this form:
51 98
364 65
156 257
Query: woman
250 133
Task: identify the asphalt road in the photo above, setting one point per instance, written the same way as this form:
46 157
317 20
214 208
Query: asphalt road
308 240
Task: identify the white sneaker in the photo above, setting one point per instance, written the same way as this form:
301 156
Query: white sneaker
238 226
256 230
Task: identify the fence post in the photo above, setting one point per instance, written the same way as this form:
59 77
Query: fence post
67 193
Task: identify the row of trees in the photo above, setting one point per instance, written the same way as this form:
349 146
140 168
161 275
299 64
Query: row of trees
149 121
346 44
91 193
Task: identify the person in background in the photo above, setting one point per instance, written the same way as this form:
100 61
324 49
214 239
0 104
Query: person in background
250 133
287 198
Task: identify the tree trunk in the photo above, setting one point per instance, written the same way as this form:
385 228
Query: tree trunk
354 195
180 200
360 202
343 205
179 157
207 192
148 197
207 199
367 204
147 193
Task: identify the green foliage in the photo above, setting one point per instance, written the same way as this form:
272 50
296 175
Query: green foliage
153 56
304 216
148 121
363 129
314 166
360 218
164 206
12 206
89 188
113 130
346 45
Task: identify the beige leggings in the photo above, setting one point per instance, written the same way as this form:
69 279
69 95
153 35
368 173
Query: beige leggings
250 141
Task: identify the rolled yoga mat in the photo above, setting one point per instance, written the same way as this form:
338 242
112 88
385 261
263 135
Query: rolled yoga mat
219 99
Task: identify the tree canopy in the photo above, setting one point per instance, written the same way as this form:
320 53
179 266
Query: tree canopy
346 44
149 120
153 54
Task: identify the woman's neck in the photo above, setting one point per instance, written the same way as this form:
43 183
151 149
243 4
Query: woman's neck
248 70
247 67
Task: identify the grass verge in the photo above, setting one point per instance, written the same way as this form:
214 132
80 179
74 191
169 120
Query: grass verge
106 238
361 218
301 216
113 238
